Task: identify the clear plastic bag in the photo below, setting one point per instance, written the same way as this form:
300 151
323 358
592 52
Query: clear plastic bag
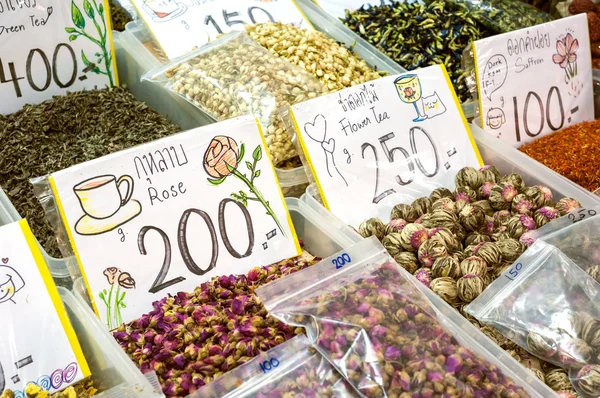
503 15
375 324
549 306
290 369
233 76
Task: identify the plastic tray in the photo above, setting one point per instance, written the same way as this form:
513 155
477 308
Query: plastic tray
323 233
112 370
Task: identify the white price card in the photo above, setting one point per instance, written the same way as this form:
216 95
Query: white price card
165 216
385 142
37 341
534 81
181 25
50 47
338 8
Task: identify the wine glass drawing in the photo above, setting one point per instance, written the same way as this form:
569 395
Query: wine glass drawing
409 91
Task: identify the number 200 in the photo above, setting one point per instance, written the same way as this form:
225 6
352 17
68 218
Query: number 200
342 260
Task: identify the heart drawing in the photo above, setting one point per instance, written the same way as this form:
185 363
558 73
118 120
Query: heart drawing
317 131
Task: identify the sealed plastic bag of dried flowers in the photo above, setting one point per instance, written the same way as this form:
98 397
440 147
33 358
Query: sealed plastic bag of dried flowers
369 318
549 306
292 369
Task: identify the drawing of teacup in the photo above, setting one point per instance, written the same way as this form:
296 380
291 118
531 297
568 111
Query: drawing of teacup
100 197
161 8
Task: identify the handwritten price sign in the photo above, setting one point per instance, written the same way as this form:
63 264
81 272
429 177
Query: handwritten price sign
165 216
535 81
180 25
29 303
385 142
50 47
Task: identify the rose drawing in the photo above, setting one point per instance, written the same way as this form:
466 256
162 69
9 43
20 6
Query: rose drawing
222 159
566 56
115 303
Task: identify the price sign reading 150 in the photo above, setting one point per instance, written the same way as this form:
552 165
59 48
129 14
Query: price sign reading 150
55 65
234 18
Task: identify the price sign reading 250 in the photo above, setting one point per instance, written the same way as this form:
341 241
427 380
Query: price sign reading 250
63 57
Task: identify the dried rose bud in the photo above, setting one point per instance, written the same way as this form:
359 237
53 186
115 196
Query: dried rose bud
490 173
544 215
445 287
447 204
588 380
372 227
558 379
474 265
513 179
594 272
439 193
404 211
471 217
395 225
469 177
510 248
424 276
518 225
421 206
541 346
537 197
565 205
475 238
412 237
446 266
528 238
431 250
522 205
408 261
469 287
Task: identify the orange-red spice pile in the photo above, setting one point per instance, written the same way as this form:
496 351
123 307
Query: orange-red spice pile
573 152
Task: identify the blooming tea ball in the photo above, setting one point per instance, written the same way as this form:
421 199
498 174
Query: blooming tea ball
421 206
446 266
408 261
574 352
405 212
484 191
538 373
412 237
424 276
459 231
594 272
490 253
475 237
393 243
472 249
590 332
544 215
445 287
521 205
471 217
473 265
490 173
528 238
395 225
558 379
502 217
537 197
372 227
485 206
588 380
465 194
444 204
440 193
501 196
518 225
430 250
510 249
565 205
515 180
469 177
440 218
469 287
446 237
541 346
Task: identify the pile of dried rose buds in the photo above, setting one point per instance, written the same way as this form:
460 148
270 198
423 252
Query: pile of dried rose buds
192 338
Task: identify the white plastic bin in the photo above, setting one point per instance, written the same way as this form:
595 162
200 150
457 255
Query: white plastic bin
112 371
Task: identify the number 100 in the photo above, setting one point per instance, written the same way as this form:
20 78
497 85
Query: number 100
532 95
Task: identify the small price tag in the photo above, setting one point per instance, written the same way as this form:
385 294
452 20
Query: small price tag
34 320
49 48
385 142
337 8
180 25
534 81
163 217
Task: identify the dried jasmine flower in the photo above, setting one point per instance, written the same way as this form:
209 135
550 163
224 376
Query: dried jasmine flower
501 196
518 225
522 205
431 250
412 237
558 379
490 174
440 193
408 261
446 266
424 276
405 212
445 287
541 346
469 177
565 205
544 215
372 227
474 266
421 206
515 180
469 287
395 225
444 203
588 380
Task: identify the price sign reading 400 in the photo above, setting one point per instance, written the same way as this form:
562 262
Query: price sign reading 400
535 81
50 48
385 142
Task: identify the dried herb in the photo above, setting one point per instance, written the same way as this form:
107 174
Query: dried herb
83 389
572 152
64 131
118 16
417 35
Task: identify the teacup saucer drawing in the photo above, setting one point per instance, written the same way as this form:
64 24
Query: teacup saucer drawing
182 8
87 225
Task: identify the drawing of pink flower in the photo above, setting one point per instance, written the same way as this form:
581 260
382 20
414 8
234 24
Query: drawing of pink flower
566 56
